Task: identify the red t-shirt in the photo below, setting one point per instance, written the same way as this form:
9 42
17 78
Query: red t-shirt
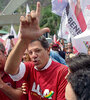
6 78
46 84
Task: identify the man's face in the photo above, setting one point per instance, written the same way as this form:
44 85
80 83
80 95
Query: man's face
26 57
88 52
69 45
38 54
2 60
68 52
69 93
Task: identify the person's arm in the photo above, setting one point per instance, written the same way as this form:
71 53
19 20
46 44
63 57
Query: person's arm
30 30
13 94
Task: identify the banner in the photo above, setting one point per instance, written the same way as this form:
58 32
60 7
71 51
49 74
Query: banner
82 41
71 21
58 6
85 6
64 29
73 24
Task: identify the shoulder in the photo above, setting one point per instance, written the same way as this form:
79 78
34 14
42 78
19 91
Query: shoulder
29 65
59 66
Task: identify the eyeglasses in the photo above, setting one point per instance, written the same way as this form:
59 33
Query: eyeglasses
68 52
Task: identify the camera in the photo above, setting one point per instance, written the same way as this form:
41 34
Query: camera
10 36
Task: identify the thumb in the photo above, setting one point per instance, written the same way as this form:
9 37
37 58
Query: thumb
44 30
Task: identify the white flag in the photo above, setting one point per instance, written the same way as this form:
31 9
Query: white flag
27 12
85 5
7 45
12 32
82 41
19 32
27 9
58 6
64 29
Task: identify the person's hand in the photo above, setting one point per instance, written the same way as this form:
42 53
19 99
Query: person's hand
1 82
29 25
24 88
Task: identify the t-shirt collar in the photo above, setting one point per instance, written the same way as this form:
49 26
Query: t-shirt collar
47 65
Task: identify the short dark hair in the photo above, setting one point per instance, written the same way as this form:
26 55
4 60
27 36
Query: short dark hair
43 42
80 61
2 47
80 82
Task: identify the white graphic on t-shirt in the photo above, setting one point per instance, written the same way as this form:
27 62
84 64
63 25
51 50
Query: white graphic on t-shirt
46 92
37 90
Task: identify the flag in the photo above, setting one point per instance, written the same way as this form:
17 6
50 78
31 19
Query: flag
64 29
82 41
58 6
85 6
7 46
75 51
27 9
54 38
27 12
79 16
72 23
19 32
12 32
69 38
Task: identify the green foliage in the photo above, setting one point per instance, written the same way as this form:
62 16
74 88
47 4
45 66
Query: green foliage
48 19
3 3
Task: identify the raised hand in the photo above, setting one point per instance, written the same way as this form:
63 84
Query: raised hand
29 25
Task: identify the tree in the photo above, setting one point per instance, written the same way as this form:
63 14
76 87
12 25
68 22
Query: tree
48 19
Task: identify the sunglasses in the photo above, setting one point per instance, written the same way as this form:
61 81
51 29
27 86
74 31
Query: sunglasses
68 52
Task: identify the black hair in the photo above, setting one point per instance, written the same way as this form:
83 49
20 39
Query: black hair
2 47
43 42
80 82
80 61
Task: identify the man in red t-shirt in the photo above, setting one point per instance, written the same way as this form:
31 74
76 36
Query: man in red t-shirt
45 77
7 85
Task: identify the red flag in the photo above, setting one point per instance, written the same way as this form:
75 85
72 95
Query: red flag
75 51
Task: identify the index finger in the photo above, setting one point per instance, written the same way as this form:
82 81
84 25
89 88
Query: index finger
38 9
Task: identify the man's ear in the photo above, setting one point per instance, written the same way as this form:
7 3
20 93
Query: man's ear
48 50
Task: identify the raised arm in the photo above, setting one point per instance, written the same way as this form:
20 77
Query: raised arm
30 30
